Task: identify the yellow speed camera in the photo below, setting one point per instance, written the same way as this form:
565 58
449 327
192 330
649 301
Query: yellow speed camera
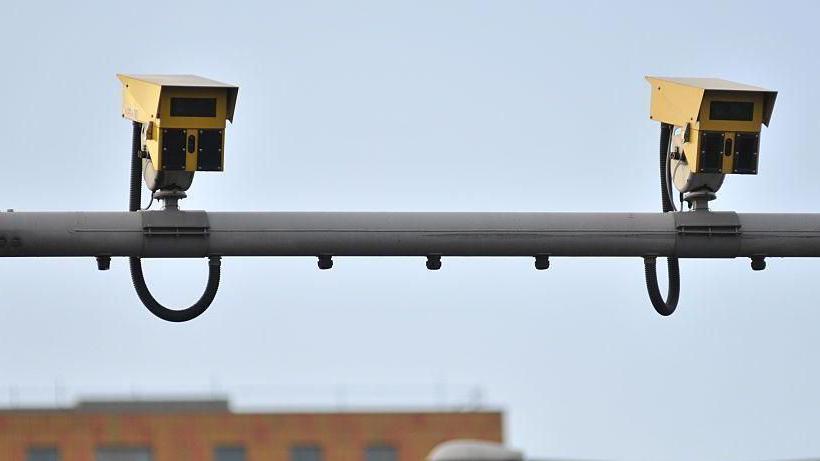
183 119
717 122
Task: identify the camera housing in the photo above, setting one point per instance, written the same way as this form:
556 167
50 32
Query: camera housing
716 122
183 121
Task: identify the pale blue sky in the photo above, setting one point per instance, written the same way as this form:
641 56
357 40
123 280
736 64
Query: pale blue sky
484 106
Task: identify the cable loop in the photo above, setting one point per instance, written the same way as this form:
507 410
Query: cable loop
663 306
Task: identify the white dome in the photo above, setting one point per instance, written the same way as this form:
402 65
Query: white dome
473 450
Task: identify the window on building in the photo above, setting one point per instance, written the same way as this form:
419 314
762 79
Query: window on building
123 454
306 453
43 454
229 454
381 453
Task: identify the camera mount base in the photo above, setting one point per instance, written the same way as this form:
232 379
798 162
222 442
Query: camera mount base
170 198
698 200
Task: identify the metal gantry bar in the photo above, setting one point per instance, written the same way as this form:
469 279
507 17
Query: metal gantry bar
192 234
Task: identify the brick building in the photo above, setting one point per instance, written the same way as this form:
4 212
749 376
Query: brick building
210 431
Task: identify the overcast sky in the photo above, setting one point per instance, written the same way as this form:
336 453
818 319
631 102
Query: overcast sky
424 106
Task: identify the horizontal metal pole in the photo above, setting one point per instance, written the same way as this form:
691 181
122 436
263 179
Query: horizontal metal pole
197 234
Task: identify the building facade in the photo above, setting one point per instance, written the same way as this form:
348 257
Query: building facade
209 431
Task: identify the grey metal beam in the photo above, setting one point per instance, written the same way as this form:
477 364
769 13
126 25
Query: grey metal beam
178 234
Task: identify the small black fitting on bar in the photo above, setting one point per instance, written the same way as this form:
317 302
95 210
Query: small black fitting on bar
542 262
103 263
325 262
758 263
434 262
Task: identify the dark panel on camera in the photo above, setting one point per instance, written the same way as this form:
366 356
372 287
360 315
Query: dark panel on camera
740 111
193 107
210 150
173 149
746 153
711 150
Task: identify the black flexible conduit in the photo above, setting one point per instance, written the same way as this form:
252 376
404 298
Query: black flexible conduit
667 306
137 278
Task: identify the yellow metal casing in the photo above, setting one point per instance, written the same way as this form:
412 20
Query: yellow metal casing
721 120
183 118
